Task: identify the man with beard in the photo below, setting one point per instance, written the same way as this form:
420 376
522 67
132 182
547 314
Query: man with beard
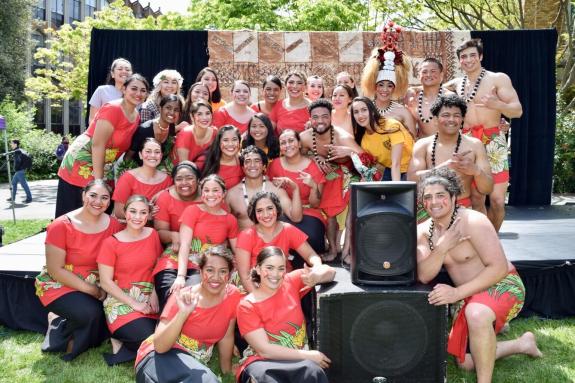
449 148
489 95
254 162
466 244
330 147
420 100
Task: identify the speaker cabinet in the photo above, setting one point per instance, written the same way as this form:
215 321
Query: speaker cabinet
381 335
384 231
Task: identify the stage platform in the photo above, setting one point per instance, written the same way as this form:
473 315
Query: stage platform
538 240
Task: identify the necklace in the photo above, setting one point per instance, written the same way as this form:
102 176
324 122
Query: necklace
432 227
245 190
470 96
161 127
383 111
420 104
435 144
314 145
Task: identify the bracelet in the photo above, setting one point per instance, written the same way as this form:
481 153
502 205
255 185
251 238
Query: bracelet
181 275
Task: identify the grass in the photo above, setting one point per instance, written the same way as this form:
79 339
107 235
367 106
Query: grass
21 229
22 360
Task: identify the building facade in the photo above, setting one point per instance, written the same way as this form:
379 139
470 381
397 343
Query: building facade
67 118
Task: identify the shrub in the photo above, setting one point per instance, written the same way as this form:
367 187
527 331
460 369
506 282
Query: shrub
564 160
39 144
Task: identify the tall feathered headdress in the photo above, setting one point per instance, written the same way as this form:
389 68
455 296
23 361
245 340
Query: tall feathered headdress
387 63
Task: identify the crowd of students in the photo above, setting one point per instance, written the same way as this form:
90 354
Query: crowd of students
227 212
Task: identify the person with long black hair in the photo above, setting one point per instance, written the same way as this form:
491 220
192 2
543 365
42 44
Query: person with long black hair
223 156
261 134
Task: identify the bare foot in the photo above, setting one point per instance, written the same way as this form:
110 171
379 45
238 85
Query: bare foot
528 345
116 345
330 256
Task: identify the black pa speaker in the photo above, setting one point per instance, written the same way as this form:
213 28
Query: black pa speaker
383 233
381 335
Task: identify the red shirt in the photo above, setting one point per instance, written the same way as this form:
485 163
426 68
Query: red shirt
289 238
276 169
289 119
231 174
76 167
133 263
279 315
129 185
203 328
222 117
81 252
171 209
185 139
208 230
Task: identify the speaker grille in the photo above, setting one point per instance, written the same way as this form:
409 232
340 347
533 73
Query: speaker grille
395 333
384 244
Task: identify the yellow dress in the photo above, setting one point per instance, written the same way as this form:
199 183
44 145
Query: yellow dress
379 144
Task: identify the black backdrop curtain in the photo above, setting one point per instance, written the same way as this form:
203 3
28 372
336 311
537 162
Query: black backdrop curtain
149 52
528 57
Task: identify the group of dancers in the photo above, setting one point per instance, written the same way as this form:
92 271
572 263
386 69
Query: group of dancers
229 212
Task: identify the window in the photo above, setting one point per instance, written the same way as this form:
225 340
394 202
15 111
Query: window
39 10
90 7
74 7
38 41
57 13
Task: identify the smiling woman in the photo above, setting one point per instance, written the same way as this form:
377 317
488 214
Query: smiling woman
146 180
93 153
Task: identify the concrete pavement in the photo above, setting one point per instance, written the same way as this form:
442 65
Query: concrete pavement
43 203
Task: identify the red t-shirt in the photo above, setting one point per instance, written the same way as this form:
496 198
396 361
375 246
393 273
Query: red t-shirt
279 315
276 169
289 238
231 174
185 139
222 117
208 230
170 209
129 185
81 252
203 328
289 119
76 167
133 263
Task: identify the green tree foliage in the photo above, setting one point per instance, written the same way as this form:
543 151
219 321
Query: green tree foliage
14 26
65 75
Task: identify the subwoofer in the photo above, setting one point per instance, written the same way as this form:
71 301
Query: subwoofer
380 335
383 233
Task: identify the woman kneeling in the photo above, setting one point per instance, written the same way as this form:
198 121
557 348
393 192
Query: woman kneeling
271 320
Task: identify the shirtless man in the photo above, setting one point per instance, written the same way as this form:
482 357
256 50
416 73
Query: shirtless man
489 95
330 147
254 161
420 100
466 244
449 148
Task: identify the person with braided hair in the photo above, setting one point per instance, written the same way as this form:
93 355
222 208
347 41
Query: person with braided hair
466 244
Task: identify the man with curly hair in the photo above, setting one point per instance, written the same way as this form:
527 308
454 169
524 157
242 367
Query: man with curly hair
466 244
448 147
